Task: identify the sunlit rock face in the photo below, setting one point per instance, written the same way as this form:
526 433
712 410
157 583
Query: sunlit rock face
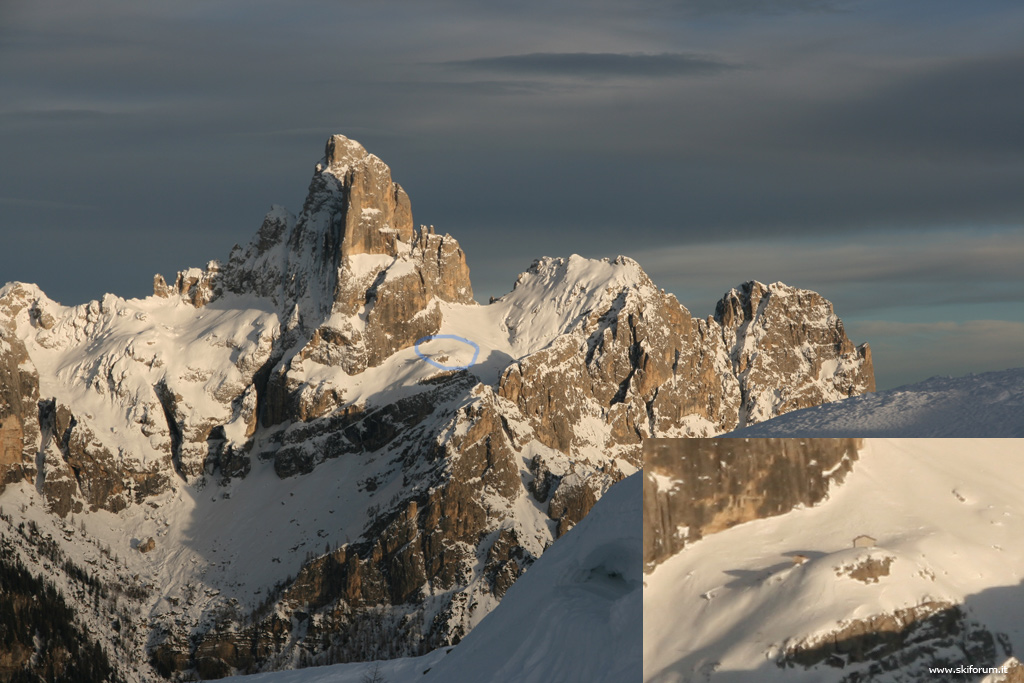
776 331
19 391
695 487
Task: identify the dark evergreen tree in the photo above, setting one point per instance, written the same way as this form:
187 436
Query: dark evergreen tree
36 622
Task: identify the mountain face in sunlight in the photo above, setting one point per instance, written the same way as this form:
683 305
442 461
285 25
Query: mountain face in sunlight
323 449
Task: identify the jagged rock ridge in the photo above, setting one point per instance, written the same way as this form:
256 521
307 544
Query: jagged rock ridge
293 364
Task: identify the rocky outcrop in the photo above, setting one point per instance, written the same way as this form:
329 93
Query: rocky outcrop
868 569
896 646
634 360
695 487
774 332
647 368
423 552
376 211
196 286
1014 672
351 274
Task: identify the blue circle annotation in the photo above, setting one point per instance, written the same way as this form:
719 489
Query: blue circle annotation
423 340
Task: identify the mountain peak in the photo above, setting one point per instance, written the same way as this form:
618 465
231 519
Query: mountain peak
344 151
349 268
354 204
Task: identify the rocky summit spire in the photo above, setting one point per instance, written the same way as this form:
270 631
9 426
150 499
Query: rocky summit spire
350 272
374 212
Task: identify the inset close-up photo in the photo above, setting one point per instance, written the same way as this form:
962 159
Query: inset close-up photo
833 560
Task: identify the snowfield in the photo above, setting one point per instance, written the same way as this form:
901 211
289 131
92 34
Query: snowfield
985 405
948 517
387 671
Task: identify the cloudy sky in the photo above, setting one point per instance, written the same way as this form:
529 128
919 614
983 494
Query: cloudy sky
870 150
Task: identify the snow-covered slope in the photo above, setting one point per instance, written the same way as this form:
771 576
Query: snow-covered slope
941 586
401 670
984 405
576 616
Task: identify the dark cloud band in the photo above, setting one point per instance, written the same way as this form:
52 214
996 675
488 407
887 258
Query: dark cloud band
599 64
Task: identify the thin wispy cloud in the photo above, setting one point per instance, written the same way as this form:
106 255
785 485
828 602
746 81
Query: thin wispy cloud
44 204
948 257
867 275
599 64
702 7
943 110
1004 332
